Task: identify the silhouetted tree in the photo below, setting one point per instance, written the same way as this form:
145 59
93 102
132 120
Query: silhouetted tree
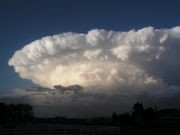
137 111
3 112
14 112
114 116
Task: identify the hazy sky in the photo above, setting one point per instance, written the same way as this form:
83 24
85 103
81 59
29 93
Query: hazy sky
106 44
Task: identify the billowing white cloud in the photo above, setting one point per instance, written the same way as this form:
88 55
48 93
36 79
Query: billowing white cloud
114 63
99 56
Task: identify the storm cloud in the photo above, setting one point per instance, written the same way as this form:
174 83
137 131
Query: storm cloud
112 66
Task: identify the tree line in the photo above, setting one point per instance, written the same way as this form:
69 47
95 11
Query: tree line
15 112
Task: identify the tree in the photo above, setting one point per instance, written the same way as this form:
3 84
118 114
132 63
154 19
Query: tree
137 111
14 112
114 116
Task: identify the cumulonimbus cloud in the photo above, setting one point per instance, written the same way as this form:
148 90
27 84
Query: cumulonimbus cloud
98 57
112 67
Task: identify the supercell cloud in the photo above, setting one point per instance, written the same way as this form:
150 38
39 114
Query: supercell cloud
98 57
107 62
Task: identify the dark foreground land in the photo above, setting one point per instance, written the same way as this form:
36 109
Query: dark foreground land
87 127
166 127
19 120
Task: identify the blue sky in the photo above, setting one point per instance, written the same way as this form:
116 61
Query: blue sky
22 22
